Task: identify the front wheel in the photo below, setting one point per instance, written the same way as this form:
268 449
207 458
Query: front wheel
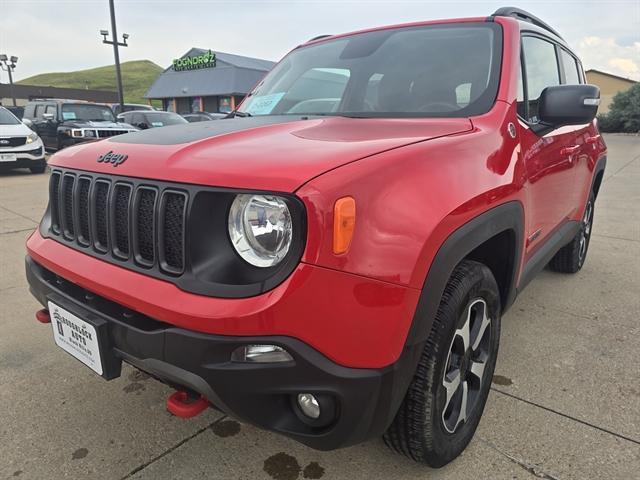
446 397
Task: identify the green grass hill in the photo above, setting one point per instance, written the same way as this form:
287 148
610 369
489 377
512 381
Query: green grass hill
137 77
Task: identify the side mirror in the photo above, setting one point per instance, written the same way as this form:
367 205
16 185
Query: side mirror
566 105
142 126
27 122
47 116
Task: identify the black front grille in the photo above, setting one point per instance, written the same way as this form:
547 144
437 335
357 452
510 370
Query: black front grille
110 133
12 141
120 219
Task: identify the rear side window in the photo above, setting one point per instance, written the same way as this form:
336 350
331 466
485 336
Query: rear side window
39 111
29 111
541 67
570 67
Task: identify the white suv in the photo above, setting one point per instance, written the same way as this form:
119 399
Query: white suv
20 147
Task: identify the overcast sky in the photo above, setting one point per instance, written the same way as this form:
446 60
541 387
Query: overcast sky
63 35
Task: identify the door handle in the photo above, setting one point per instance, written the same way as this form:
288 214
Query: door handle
569 150
592 140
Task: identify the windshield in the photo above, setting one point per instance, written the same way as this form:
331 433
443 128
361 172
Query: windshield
87 112
436 70
7 118
164 119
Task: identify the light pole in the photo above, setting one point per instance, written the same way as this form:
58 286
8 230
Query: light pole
116 44
8 64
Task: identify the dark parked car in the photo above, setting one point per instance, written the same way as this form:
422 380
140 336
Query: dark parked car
144 119
61 123
129 107
203 116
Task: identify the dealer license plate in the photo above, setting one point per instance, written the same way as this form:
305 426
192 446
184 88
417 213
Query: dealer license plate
76 337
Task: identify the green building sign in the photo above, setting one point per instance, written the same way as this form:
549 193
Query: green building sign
204 60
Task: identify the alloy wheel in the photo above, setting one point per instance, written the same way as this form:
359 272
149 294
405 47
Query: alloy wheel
585 231
464 372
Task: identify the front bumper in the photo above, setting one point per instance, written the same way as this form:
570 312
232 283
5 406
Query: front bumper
26 156
365 400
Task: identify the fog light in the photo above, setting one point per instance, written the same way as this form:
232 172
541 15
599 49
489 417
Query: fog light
309 405
261 354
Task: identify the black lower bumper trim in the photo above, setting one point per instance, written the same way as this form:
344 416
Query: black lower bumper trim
365 400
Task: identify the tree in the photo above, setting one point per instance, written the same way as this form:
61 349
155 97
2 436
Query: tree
624 113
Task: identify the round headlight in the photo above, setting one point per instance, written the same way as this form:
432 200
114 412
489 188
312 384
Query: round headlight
260 229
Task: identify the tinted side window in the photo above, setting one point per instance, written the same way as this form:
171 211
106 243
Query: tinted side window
541 69
570 66
29 111
39 111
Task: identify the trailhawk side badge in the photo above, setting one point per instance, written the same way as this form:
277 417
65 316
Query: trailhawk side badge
114 158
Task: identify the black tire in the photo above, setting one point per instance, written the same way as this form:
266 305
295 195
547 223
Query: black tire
420 429
571 257
40 168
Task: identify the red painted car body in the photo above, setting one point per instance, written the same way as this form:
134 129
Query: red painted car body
415 182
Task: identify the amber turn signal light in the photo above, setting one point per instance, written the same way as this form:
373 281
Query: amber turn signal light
344 222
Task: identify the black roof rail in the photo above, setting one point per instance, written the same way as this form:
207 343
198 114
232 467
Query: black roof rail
319 37
525 16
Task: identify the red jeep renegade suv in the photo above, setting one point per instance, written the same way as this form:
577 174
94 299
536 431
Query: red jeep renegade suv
332 262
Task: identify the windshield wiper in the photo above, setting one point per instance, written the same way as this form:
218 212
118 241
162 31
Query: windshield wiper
238 113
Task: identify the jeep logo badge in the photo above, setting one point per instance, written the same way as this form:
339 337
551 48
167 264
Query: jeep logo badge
114 158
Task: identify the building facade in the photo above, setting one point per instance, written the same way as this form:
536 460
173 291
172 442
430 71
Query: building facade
609 85
25 93
207 81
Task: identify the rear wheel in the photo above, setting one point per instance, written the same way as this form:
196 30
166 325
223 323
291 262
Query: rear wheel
446 398
571 257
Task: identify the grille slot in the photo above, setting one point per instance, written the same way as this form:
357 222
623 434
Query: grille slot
100 216
84 235
110 133
172 212
54 195
144 226
120 220
68 182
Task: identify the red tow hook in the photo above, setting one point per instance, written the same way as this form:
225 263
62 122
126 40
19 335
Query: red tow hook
43 316
183 405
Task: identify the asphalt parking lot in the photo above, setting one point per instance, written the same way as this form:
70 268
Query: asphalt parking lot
565 401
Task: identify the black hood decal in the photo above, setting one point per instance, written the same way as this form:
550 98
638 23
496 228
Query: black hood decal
192 132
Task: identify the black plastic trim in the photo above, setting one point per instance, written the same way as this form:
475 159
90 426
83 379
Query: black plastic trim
545 252
134 226
506 217
164 265
524 16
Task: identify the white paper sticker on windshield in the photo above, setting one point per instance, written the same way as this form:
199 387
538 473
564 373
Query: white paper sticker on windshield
157 124
69 115
263 105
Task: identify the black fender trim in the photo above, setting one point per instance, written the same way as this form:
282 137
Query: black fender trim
506 217
595 182
546 251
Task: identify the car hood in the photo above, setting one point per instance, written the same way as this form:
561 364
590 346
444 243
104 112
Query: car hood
277 153
18 130
97 125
